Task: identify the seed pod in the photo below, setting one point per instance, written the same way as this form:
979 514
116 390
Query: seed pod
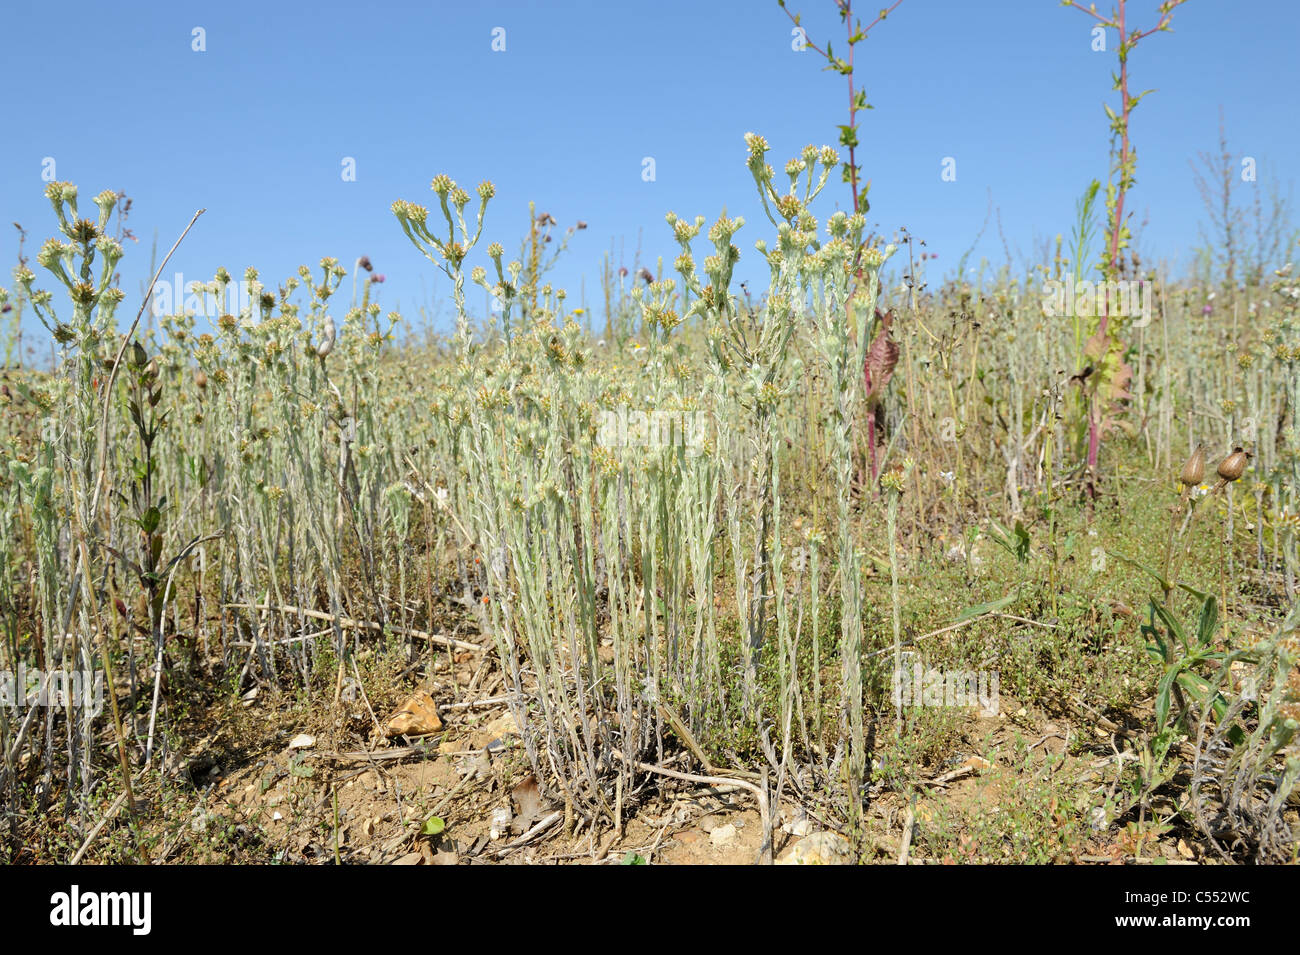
1234 465
327 339
1194 469
201 379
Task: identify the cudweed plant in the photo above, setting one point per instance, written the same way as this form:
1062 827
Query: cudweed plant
84 262
642 533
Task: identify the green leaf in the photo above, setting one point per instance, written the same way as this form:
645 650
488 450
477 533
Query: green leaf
1153 632
989 607
434 825
633 859
1209 621
1163 690
1171 623
1164 584
1017 546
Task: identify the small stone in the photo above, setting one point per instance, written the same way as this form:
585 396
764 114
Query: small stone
501 727
302 741
689 837
418 716
821 848
723 835
800 827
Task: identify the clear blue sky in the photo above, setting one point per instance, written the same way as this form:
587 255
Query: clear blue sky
256 127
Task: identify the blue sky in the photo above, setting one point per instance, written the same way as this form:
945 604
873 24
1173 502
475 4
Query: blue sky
256 127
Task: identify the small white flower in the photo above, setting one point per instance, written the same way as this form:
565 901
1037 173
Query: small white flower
947 476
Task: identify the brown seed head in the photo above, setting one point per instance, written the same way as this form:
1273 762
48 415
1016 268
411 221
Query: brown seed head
1194 469
1234 465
